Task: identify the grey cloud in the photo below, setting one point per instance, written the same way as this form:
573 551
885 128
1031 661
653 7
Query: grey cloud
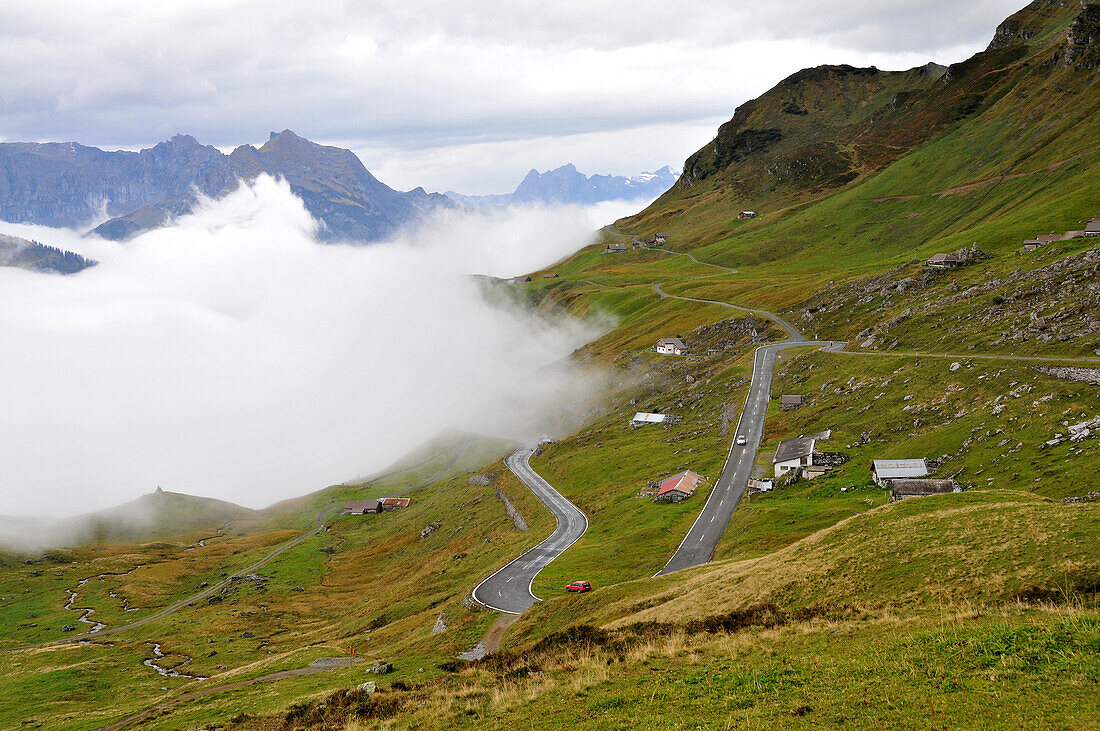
415 74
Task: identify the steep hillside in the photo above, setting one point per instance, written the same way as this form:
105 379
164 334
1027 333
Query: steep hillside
1028 101
861 175
67 184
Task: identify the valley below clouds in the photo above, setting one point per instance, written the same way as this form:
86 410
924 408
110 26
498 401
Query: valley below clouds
232 355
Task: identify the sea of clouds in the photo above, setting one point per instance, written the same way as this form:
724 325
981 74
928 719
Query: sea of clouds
232 355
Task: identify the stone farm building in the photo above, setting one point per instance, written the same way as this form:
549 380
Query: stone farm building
678 487
902 489
671 346
1032 244
944 261
1093 228
615 249
793 455
789 399
362 507
895 469
661 237
746 214
642 417
395 503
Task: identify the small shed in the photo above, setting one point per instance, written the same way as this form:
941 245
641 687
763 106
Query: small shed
395 503
1048 238
746 214
671 346
1093 228
944 261
793 454
904 488
1069 235
761 485
678 487
1032 244
646 418
614 248
893 469
362 507
519 280
790 399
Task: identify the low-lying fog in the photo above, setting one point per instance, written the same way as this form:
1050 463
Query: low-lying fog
233 356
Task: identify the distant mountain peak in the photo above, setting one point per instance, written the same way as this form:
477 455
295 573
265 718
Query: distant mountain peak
65 184
565 184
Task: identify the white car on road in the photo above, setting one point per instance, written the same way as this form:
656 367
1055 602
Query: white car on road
741 441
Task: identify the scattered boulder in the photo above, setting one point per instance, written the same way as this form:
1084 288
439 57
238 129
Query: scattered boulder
484 480
368 687
381 667
432 528
440 624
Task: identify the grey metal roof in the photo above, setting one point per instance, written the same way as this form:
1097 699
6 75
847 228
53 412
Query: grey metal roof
673 341
890 468
794 449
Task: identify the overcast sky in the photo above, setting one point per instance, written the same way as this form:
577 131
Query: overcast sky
460 95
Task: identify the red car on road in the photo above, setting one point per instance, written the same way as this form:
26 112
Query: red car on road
579 587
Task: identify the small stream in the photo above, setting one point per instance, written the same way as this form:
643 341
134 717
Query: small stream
85 612
202 542
167 672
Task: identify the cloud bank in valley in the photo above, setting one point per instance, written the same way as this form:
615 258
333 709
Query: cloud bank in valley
231 355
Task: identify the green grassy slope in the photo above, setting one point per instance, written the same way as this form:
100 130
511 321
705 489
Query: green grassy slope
825 604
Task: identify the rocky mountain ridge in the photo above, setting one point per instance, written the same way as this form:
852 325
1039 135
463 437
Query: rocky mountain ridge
567 185
68 184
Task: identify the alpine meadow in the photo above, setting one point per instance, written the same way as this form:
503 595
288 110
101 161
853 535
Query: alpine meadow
808 437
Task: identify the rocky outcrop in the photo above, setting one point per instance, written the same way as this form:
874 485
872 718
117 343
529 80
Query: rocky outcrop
1083 40
517 519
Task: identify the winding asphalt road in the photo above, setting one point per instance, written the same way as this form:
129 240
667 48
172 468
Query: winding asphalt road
701 540
509 588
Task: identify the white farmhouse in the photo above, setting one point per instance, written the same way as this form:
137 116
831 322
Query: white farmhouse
793 455
671 346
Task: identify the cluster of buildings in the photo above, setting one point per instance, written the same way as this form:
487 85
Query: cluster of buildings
903 478
382 505
1092 229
